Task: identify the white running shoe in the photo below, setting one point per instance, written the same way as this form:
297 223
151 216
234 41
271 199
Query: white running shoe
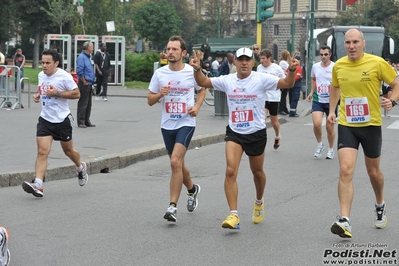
4 252
171 214
319 150
83 177
330 154
380 220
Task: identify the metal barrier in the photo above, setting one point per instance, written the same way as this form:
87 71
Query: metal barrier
21 80
9 89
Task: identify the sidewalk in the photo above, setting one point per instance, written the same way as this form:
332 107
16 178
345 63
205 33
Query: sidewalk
127 131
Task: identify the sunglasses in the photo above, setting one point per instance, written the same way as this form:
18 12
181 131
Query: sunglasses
255 48
324 54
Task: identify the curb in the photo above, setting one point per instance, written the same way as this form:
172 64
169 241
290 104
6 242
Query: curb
112 161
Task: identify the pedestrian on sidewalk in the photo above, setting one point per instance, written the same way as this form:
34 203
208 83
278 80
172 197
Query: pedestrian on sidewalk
285 57
19 61
272 96
246 132
102 63
356 82
173 85
85 72
320 96
295 92
56 86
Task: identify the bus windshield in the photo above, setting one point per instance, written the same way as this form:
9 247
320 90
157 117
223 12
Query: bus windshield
374 43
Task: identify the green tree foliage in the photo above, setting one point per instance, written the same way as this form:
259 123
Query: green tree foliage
190 19
208 27
59 11
373 13
139 67
156 21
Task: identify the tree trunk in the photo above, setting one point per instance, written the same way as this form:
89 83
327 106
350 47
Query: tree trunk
36 46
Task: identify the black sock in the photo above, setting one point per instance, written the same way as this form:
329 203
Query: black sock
173 204
191 191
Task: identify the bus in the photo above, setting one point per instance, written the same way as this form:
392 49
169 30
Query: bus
377 42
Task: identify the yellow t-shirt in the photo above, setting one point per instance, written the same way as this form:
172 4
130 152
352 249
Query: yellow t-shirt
360 84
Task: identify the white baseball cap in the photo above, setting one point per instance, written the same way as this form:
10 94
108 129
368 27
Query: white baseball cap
244 51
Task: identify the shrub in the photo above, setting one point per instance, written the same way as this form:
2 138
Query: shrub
140 67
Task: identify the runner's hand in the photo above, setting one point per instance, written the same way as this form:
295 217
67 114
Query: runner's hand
195 62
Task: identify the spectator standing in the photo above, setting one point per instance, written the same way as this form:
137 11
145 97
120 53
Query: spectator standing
85 72
295 92
102 63
256 51
19 61
285 57
356 81
227 65
272 96
320 96
173 86
56 87
215 67
246 132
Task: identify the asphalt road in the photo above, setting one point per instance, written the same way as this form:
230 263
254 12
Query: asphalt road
117 218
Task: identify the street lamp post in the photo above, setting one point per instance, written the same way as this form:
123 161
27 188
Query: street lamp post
218 19
124 17
293 28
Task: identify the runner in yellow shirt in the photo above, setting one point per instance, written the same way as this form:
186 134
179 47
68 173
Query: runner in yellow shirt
356 81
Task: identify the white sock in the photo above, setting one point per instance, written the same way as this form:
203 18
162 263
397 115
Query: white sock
234 212
320 144
80 168
259 202
379 205
344 217
39 181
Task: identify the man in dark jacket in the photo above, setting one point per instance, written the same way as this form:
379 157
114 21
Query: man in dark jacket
102 63
225 67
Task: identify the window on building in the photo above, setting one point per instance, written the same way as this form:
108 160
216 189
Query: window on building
276 29
341 5
244 5
277 6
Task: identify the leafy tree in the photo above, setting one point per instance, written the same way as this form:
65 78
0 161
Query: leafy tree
190 19
36 21
373 13
156 21
60 11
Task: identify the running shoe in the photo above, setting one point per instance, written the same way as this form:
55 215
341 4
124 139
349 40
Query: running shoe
319 150
342 228
276 143
83 177
232 222
192 201
4 252
258 213
171 214
381 219
330 154
33 188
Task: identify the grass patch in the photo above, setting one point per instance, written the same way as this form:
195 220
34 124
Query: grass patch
137 85
32 75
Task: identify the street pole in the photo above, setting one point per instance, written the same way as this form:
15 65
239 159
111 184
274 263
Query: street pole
311 47
218 19
115 15
293 28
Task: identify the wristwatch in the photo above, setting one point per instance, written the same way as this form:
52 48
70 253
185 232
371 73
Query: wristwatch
57 94
393 103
